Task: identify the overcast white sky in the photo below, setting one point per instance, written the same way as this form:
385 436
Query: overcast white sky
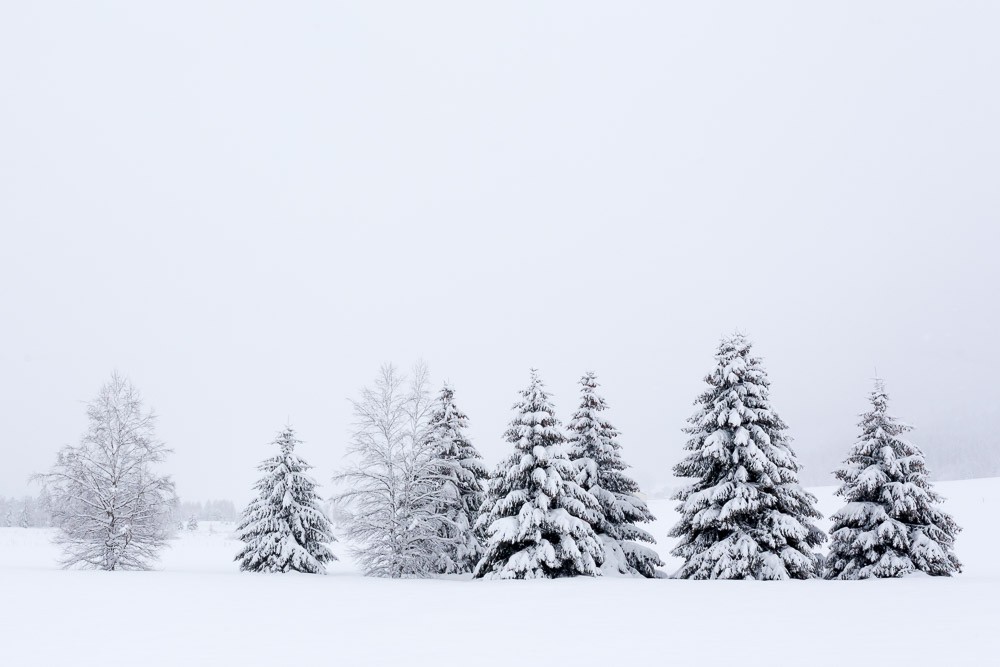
247 207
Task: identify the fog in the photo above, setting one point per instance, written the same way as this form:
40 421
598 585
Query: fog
248 207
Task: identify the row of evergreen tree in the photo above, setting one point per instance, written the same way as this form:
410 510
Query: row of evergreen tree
417 499
747 517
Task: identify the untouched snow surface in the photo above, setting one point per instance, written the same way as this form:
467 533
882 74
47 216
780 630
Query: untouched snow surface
199 610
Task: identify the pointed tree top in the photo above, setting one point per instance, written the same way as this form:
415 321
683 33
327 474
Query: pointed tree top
734 343
447 393
736 364
879 396
590 399
536 387
286 439
535 415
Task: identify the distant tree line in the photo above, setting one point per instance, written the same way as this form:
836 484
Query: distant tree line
24 512
32 511
209 510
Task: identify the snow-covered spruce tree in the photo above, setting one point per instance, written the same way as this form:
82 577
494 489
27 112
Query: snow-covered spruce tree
463 480
110 505
746 516
594 447
891 524
192 522
537 517
284 528
393 489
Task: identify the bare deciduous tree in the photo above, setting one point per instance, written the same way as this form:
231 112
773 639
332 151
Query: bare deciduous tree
111 507
393 489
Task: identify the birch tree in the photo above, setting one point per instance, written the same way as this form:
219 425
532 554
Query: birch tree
392 488
111 506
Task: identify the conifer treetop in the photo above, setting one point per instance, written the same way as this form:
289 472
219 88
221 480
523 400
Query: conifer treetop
534 421
587 423
881 454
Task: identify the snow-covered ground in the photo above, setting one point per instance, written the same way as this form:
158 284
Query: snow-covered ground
199 610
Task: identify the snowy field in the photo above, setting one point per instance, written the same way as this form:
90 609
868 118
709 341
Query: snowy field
198 610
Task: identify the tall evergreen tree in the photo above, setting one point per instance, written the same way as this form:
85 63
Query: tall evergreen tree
537 517
594 446
285 529
463 478
746 516
891 524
